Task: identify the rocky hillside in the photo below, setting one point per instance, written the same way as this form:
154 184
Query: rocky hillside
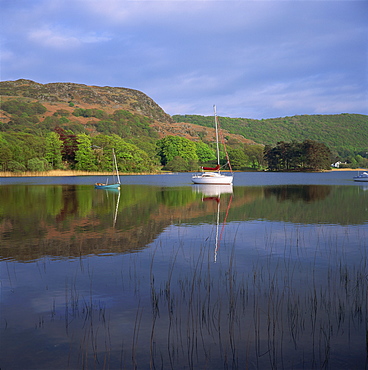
64 97
62 94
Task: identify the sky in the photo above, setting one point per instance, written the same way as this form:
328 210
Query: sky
252 59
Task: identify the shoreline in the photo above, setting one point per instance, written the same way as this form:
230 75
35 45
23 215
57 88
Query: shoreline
70 173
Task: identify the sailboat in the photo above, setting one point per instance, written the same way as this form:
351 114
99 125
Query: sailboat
116 184
214 176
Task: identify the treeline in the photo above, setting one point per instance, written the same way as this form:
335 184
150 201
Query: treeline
345 134
306 156
31 141
62 149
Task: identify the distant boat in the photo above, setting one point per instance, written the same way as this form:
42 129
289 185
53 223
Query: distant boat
362 177
116 184
215 176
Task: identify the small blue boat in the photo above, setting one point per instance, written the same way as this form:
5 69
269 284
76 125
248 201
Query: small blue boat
100 185
116 185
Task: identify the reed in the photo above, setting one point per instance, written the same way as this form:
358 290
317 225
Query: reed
287 309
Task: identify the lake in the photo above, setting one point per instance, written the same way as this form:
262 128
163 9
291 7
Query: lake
270 273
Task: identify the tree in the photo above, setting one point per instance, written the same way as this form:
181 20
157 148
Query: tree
204 152
318 155
175 146
6 154
15 166
177 164
238 159
129 157
70 145
53 150
255 155
84 156
38 164
308 155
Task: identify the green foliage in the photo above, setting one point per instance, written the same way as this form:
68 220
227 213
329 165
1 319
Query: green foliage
62 113
19 107
345 134
98 113
238 159
23 147
179 164
255 155
84 157
175 146
15 166
6 155
38 164
308 155
129 157
204 152
53 150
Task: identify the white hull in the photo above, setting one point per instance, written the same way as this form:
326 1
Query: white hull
212 178
362 177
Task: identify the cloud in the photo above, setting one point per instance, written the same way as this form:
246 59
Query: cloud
255 58
64 39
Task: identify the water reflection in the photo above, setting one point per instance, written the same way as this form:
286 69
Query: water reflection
69 221
128 280
213 193
307 193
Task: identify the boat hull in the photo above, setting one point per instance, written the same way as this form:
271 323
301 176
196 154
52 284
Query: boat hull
107 186
212 179
362 177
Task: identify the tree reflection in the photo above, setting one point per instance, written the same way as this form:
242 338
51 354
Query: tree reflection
306 193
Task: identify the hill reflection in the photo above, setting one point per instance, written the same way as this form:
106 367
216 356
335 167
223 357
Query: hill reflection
75 220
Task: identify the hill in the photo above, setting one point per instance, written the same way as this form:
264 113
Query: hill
342 133
90 109
106 117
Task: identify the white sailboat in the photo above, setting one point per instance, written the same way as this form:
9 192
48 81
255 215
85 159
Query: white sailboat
363 177
214 176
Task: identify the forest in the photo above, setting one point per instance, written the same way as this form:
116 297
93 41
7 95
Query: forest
33 139
345 134
306 156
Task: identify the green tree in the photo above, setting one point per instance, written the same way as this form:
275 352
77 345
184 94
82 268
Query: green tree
177 164
175 146
238 159
204 152
129 157
6 154
38 164
255 155
318 155
53 150
15 166
84 157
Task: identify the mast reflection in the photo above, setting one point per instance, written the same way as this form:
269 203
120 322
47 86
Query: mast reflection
213 193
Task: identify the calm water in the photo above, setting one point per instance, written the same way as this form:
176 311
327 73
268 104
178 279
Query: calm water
268 274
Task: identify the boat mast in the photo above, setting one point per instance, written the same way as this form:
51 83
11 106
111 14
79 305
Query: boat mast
217 141
116 165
